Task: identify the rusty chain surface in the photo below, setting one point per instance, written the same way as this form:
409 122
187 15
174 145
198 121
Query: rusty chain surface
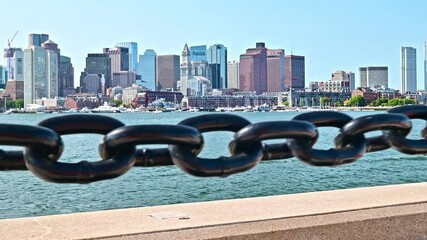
118 150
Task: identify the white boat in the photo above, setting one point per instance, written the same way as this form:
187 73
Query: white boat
85 110
105 109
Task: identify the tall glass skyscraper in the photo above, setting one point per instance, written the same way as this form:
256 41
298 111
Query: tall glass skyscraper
198 53
409 69
147 69
41 69
217 60
133 54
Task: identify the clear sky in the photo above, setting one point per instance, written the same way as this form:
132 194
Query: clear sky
331 34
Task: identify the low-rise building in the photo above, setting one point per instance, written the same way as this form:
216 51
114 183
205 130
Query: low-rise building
368 94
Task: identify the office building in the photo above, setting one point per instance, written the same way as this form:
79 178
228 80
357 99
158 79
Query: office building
294 72
275 70
198 53
66 75
233 74
147 69
119 58
345 81
253 69
15 89
100 64
217 60
37 39
15 64
123 79
168 72
41 70
133 54
91 83
373 76
3 76
409 70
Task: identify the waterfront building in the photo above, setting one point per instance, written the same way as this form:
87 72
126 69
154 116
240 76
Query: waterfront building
373 76
253 69
99 63
294 72
275 70
147 69
198 53
66 75
198 86
129 94
298 98
145 97
41 69
168 71
409 70
233 74
210 103
217 60
367 93
133 54
92 83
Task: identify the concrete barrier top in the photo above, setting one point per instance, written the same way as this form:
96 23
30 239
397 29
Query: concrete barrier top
169 218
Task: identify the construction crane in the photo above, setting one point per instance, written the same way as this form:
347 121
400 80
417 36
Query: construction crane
8 53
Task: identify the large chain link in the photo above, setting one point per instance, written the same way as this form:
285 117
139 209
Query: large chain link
43 145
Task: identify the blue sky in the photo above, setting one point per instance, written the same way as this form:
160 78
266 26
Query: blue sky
331 34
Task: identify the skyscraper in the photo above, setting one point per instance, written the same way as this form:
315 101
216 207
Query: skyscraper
167 71
409 69
37 39
66 74
217 60
147 69
98 63
295 72
253 69
425 66
119 58
3 76
373 76
41 69
275 70
233 74
198 53
133 54
15 63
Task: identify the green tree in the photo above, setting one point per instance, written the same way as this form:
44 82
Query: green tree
357 101
117 102
286 103
10 104
19 103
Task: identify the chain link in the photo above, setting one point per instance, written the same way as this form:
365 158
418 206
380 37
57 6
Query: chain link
43 145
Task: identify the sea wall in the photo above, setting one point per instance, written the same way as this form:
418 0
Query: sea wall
386 212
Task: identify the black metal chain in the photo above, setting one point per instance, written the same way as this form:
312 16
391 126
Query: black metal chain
118 152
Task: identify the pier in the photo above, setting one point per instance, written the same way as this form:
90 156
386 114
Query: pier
385 212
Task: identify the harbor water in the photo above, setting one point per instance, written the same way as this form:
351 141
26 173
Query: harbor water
24 195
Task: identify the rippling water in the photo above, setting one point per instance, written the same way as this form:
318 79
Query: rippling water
23 195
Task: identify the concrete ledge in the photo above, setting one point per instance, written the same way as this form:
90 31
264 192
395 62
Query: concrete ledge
388 212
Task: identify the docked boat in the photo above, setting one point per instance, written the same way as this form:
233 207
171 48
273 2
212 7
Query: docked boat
105 109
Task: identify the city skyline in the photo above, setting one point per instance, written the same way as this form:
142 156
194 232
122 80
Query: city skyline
365 35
